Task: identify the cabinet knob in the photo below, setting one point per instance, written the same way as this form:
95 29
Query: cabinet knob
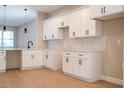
62 23
32 56
101 10
80 62
73 33
87 32
104 9
52 35
45 37
46 56
67 59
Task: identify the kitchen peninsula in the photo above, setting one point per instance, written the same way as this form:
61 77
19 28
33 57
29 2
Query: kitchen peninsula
20 58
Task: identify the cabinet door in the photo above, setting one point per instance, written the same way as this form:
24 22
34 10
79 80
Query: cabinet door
75 24
96 11
54 28
65 64
46 29
111 9
26 59
92 28
78 67
45 60
48 60
68 65
37 59
63 21
2 61
84 22
66 20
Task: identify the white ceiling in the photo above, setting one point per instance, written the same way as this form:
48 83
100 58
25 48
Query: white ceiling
15 15
46 8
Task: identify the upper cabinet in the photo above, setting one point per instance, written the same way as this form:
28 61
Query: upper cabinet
78 22
89 28
51 29
63 21
80 25
75 24
105 12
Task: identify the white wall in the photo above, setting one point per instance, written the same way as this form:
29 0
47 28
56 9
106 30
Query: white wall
113 54
23 38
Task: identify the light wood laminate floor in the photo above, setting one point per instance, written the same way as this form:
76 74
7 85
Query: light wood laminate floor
42 78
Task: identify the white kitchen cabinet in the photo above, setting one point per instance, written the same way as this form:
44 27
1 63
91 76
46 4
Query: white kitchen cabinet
37 59
2 61
80 67
80 25
78 22
26 59
105 12
86 66
89 28
64 21
53 59
46 29
84 22
51 29
32 59
68 65
75 24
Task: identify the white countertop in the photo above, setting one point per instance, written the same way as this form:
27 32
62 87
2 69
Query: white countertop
5 49
83 50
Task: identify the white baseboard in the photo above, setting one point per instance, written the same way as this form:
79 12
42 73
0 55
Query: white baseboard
113 80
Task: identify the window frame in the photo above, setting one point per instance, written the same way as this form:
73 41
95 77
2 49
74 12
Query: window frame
2 39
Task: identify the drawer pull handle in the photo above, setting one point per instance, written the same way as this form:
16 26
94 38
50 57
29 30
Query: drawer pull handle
67 59
80 62
46 56
67 54
62 23
73 33
32 56
80 54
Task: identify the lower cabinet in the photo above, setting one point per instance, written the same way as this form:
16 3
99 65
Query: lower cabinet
2 61
85 66
53 59
32 59
68 65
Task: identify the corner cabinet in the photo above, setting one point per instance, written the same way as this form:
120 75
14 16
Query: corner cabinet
90 28
53 59
83 65
105 12
2 61
31 59
51 29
